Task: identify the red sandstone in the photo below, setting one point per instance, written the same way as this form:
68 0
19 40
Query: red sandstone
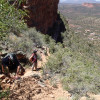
42 13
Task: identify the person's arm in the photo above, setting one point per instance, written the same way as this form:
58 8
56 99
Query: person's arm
8 73
31 57
18 69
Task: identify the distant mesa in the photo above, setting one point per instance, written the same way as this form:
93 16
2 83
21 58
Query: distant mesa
79 1
91 5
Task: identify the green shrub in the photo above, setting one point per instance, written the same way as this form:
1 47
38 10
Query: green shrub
10 18
5 94
77 63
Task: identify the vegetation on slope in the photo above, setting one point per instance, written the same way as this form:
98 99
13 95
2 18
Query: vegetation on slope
10 18
10 21
82 18
77 62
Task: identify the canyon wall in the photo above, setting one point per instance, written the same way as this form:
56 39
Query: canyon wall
41 13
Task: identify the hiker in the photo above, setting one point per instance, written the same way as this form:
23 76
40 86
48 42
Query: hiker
10 61
33 59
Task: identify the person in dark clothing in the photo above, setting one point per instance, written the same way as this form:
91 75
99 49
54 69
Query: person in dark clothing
33 59
9 62
5 63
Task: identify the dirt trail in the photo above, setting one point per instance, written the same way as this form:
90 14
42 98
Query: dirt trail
28 71
31 86
45 91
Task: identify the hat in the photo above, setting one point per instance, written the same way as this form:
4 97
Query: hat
34 51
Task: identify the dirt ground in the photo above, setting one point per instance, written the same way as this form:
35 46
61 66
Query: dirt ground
32 86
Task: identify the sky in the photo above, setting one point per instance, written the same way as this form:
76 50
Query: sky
66 0
62 0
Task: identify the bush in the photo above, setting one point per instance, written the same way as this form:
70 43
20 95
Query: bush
78 77
77 63
4 94
10 19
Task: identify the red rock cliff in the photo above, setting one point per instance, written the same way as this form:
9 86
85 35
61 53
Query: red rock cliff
91 5
42 13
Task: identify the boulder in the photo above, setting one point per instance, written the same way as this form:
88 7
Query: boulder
21 56
2 76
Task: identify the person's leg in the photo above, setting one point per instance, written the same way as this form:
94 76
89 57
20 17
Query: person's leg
33 66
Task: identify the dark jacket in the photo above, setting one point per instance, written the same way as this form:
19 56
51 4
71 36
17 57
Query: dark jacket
10 60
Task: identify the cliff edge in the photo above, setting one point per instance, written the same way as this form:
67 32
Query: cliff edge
43 15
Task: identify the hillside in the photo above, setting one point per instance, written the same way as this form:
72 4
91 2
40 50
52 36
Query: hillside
33 85
68 56
83 18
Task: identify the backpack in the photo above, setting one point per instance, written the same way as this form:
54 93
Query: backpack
34 58
12 56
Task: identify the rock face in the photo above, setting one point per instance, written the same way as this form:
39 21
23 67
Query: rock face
42 13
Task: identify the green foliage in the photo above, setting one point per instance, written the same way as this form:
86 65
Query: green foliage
51 44
47 39
29 40
77 62
79 75
4 94
10 18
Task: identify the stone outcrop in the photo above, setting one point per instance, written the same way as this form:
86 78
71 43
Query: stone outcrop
41 13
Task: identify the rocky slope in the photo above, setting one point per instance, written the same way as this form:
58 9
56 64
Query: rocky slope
33 86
